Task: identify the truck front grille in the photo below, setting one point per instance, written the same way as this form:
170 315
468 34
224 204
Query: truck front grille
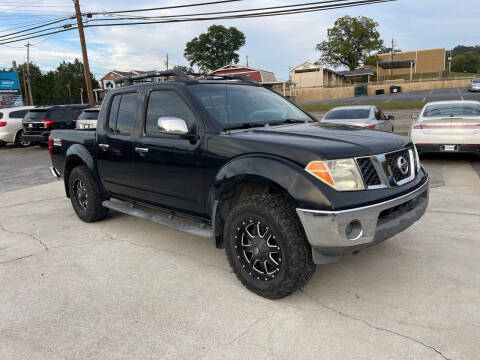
385 170
369 174
392 159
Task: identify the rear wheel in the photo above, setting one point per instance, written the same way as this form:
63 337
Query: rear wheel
85 195
20 140
266 246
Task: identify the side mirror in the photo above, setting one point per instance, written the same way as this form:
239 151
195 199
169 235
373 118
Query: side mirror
414 116
173 126
390 117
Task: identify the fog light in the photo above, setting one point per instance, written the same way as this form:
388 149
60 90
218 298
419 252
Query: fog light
354 230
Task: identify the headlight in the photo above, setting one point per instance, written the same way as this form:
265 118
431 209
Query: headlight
342 174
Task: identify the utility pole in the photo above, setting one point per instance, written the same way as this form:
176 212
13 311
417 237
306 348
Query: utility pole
86 67
29 89
25 88
247 60
166 62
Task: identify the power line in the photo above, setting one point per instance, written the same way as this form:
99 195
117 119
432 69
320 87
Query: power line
39 26
241 16
165 7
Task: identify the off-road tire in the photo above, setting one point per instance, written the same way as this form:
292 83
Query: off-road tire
93 209
18 140
297 266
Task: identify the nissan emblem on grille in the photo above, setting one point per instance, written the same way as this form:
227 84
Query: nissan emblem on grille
402 165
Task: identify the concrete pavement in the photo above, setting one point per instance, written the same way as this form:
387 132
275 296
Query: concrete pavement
125 288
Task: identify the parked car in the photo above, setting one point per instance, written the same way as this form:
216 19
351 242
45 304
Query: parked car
11 130
87 119
448 126
474 85
278 190
39 121
366 116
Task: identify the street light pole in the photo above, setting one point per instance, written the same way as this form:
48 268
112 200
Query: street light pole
86 67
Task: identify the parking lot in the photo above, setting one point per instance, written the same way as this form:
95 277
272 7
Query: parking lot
423 95
125 288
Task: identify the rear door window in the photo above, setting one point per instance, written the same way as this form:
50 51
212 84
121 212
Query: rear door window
127 114
36 115
112 118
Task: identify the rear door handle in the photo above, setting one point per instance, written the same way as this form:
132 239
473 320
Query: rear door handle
141 151
104 147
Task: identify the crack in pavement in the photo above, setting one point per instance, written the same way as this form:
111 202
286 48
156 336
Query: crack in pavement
31 202
365 322
30 235
236 338
453 212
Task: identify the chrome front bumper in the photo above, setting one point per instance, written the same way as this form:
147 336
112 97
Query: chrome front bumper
333 233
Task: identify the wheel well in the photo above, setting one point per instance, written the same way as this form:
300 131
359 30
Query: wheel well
72 163
237 193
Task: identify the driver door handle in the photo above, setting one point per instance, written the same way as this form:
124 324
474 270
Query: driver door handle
141 151
104 147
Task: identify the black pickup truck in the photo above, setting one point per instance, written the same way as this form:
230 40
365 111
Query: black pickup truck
228 158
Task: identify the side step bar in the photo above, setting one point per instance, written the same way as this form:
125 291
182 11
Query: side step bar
167 220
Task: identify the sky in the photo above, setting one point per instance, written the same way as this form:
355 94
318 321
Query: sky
273 43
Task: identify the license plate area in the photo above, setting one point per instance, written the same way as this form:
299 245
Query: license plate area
449 147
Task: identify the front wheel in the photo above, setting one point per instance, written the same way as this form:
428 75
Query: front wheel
20 140
266 246
85 195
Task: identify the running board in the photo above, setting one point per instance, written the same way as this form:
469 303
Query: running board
167 220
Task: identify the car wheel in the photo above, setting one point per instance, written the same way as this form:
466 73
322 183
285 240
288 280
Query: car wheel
20 140
266 246
2 143
85 195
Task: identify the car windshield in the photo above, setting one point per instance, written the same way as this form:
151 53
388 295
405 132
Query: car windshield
88 115
347 114
476 81
234 105
452 110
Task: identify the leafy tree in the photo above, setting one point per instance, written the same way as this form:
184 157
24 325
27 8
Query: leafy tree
215 48
468 62
348 42
55 84
461 49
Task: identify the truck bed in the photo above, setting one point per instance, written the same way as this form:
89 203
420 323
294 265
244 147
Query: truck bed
84 137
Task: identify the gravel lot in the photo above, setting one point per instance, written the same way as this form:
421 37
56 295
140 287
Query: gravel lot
125 288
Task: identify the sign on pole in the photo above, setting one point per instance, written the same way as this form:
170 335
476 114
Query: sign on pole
10 93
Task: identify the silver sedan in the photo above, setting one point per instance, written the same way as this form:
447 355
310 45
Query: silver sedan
366 116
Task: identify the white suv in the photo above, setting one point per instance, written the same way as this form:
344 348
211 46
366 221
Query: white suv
11 125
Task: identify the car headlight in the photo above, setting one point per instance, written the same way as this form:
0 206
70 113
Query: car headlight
342 174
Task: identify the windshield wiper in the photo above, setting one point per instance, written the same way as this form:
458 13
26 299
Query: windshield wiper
245 125
289 121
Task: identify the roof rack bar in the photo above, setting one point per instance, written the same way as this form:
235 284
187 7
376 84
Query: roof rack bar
242 77
177 74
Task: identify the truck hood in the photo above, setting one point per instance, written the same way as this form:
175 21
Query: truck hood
303 143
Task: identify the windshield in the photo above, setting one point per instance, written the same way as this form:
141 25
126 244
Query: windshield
452 110
88 115
233 105
476 81
347 114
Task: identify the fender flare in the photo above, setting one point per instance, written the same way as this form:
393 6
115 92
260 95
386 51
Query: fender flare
299 187
75 155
